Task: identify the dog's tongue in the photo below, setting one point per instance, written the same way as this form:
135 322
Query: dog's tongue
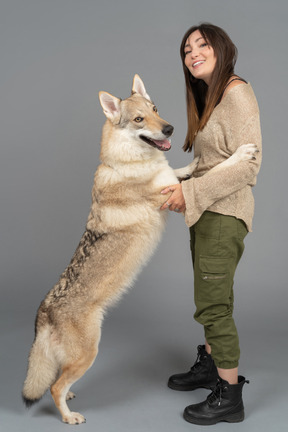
164 145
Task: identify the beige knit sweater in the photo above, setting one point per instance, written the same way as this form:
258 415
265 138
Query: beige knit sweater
235 121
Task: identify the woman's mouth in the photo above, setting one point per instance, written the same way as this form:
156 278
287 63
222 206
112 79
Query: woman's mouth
198 63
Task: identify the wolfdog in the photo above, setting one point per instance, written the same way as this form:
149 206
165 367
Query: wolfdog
123 228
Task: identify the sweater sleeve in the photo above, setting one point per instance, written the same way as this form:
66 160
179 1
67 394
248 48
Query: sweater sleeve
200 193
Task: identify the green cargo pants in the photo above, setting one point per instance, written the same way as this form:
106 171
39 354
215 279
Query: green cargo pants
217 246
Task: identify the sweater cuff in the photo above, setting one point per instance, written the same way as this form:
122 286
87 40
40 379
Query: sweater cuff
193 208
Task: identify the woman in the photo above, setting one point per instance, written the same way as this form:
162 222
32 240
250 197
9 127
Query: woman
222 115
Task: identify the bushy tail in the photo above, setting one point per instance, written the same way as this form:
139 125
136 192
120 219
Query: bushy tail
42 369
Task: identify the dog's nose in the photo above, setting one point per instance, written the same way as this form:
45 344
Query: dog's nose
167 130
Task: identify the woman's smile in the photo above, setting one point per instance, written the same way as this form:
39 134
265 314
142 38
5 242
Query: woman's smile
198 63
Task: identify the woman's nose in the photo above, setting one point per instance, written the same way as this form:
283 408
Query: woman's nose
194 54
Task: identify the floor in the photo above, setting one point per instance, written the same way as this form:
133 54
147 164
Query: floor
126 390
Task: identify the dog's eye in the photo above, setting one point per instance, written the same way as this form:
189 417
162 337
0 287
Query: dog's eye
138 119
155 109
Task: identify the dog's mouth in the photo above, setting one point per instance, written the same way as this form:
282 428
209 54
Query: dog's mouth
163 145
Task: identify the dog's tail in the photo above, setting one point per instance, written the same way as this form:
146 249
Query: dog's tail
42 368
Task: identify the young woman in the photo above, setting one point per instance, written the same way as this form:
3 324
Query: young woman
222 115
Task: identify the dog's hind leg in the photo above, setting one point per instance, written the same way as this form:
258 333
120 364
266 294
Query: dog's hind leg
70 374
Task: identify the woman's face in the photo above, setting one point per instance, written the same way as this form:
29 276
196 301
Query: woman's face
199 57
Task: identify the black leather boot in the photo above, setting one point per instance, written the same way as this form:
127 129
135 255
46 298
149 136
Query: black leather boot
223 404
202 375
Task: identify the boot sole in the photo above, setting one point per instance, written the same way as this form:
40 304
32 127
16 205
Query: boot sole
231 418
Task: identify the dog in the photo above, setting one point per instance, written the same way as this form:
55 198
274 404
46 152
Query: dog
123 229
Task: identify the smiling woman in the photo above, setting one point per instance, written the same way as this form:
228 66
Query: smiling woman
222 115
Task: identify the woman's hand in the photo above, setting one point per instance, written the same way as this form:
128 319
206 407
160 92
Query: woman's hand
176 202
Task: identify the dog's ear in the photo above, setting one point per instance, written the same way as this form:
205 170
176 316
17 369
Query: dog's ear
110 105
138 87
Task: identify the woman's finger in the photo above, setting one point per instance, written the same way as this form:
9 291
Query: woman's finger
168 189
165 191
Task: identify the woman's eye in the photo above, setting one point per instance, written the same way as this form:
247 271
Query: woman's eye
203 45
187 52
138 119
155 109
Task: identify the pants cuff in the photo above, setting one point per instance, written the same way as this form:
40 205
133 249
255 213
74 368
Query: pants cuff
226 364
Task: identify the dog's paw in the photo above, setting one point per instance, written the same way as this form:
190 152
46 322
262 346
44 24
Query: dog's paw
194 164
186 173
246 152
74 418
70 395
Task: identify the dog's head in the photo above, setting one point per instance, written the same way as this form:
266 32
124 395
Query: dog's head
137 117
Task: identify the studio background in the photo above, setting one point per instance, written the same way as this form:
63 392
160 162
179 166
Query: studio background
56 56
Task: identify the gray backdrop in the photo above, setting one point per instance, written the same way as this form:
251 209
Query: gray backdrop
55 57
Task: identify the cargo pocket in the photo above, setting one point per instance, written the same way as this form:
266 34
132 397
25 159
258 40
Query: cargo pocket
215 280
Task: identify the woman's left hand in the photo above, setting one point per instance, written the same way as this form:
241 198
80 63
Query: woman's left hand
176 202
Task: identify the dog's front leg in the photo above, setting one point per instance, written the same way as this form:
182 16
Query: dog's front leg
186 172
243 153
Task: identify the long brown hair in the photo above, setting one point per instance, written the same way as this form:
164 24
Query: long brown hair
201 99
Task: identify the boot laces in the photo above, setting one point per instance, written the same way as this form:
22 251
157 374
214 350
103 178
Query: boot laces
216 393
197 363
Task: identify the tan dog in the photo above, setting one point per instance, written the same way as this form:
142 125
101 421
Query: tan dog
122 231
